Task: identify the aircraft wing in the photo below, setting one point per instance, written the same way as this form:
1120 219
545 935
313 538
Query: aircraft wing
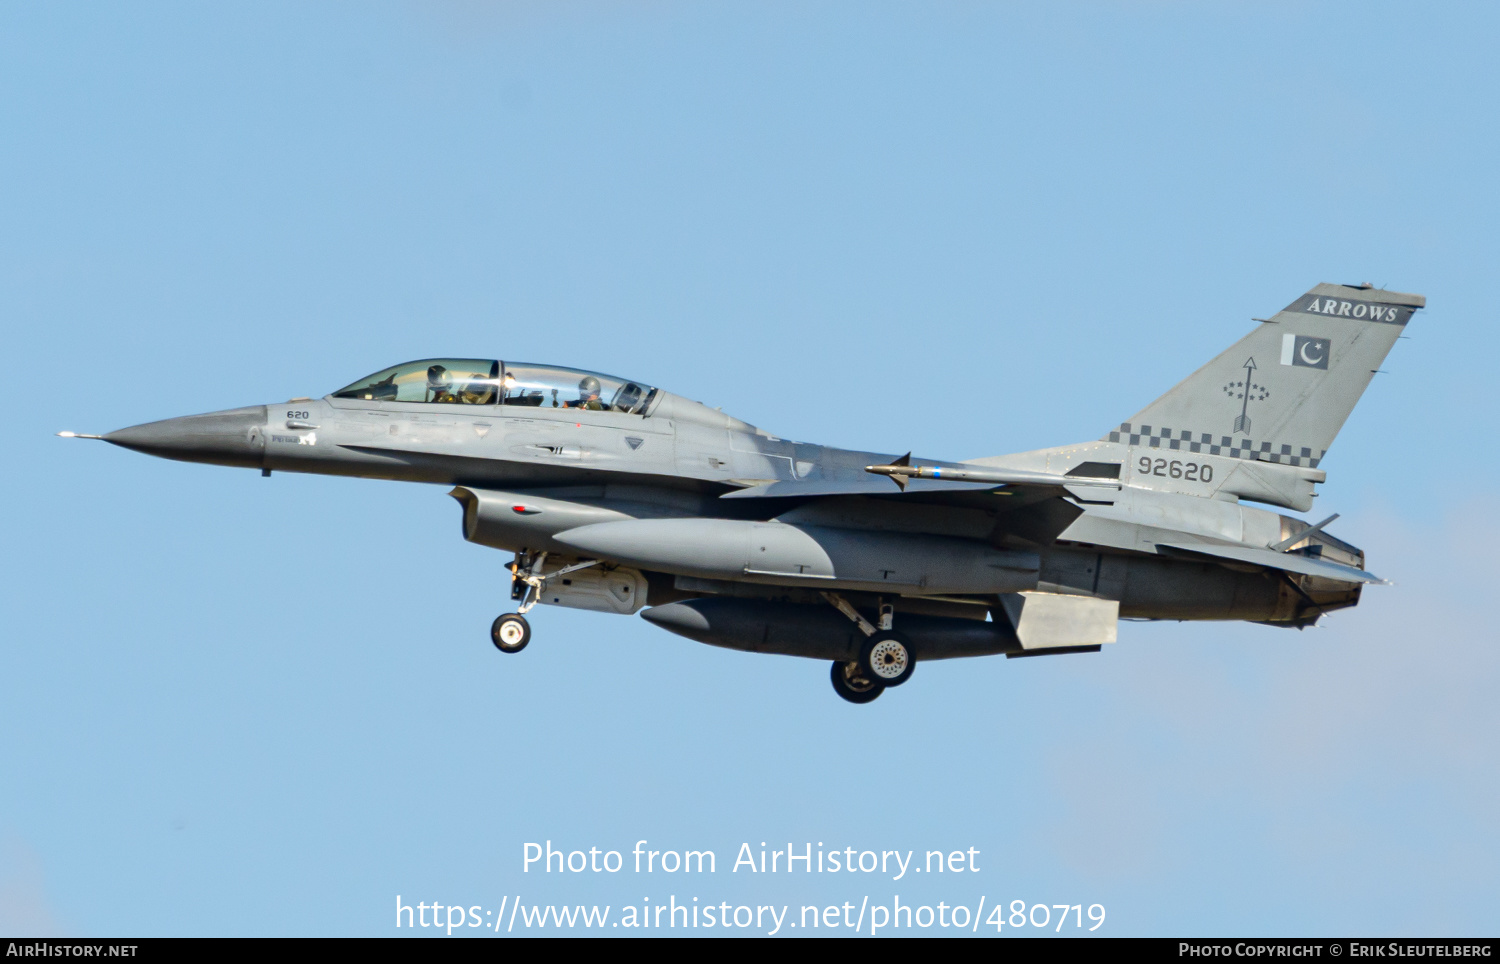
1271 559
1033 488
932 479
1033 512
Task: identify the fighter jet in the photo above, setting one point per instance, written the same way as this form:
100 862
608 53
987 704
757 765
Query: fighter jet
619 497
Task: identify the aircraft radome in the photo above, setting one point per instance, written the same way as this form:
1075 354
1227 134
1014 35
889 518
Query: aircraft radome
619 497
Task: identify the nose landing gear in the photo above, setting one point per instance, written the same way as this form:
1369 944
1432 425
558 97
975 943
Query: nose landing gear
511 632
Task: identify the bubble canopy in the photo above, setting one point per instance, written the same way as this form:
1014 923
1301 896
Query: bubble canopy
471 381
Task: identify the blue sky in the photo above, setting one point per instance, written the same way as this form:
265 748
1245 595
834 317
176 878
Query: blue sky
232 705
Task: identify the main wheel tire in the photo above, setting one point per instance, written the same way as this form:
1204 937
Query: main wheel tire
510 633
852 686
887 657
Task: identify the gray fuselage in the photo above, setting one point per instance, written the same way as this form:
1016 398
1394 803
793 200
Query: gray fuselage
525 474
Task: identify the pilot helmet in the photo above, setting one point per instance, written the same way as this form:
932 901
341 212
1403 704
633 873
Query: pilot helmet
439 379
588 387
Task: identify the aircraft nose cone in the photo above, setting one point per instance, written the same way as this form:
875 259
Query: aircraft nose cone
233 437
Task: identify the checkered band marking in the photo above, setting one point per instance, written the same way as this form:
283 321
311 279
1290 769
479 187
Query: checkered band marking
1234 448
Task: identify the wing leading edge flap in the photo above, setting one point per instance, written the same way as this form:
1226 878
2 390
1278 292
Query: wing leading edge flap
865 486
1271 559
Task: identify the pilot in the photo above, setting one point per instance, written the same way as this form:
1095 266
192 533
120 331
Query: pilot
487 392
477 393
588 395
440 384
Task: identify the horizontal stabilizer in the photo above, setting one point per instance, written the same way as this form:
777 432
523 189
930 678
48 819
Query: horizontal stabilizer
1271 559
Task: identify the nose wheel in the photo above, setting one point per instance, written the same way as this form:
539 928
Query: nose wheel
510 633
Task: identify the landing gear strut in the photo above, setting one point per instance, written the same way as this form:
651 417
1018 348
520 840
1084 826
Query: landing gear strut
885 659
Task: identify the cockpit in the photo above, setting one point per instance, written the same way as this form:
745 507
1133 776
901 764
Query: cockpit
468 381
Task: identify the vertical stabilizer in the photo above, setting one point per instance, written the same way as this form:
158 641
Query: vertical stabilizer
1281 393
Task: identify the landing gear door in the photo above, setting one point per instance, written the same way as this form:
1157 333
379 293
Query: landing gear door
618 590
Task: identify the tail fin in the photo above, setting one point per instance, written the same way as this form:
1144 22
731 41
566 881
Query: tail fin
1281 393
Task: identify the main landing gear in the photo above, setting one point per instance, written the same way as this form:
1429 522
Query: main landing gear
853 685
511 632
885 659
